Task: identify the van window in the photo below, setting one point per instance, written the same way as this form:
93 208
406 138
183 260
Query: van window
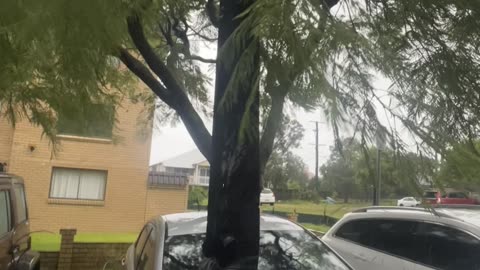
20 203
5 216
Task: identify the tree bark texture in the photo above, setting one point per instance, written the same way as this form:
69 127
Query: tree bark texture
233 209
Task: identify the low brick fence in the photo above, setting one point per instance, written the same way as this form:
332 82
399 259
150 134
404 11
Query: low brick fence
80 256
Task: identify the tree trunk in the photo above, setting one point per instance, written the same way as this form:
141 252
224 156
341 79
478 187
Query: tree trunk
233 210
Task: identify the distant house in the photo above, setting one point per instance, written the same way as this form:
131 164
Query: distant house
191 164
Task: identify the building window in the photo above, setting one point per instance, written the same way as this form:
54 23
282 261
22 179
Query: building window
5 217
78 184
94 121
204 175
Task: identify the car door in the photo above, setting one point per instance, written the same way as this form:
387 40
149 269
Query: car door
22 227
379 244
143 258
5 230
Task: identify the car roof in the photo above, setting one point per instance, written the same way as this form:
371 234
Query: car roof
6 178
459 213
196 222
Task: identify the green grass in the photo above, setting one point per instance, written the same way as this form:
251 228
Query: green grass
321 228
334 210
51 242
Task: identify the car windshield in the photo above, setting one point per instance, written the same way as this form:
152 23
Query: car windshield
279 250
267 191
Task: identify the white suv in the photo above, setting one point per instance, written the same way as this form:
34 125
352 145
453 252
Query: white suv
380 238
267 197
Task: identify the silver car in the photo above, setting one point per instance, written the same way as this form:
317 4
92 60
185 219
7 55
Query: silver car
379 238
174 242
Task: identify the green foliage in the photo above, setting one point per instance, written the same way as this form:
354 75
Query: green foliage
460 167
57 57
197 196
285 170
350 173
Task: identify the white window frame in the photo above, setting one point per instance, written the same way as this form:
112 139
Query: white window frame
77 197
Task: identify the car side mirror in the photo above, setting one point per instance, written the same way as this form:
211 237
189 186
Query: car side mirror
14 250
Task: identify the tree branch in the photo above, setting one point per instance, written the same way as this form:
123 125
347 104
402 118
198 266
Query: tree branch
274 120
201 59
176 95
142 72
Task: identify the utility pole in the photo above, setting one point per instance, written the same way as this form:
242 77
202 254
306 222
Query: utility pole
317 183
380 142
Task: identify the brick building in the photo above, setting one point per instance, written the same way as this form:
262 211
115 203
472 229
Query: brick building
97 181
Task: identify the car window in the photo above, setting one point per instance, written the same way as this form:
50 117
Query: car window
408 199
5 217
141 241
146 261
395 237
279 250
267 191
21 209
450 249
430 194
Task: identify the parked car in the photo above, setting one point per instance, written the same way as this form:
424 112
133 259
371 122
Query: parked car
267 197
448 197
378 238
175 242
408 201
15 253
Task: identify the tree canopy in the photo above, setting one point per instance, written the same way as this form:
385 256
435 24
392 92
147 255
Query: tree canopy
61 55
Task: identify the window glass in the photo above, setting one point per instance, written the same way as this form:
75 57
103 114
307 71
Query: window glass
204 171
78 184
141 241
266 191
5 217
95 120
450 249
395 237
430 194
279 250
147 258
20 202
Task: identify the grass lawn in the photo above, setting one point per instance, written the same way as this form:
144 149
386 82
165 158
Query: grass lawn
334 210
321 228
51 242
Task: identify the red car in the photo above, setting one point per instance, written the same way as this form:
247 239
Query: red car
452 197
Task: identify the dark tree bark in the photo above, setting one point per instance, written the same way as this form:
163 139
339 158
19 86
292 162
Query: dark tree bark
233 209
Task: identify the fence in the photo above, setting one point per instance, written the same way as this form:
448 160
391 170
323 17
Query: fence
80 256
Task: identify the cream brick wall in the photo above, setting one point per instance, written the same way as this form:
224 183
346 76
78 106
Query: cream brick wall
124 207
168 200
6 134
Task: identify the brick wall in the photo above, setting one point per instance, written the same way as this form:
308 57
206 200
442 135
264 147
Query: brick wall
91 256
126 161
166 200
48 260
95 256
6 134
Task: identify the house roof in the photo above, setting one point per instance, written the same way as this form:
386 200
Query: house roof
185 160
